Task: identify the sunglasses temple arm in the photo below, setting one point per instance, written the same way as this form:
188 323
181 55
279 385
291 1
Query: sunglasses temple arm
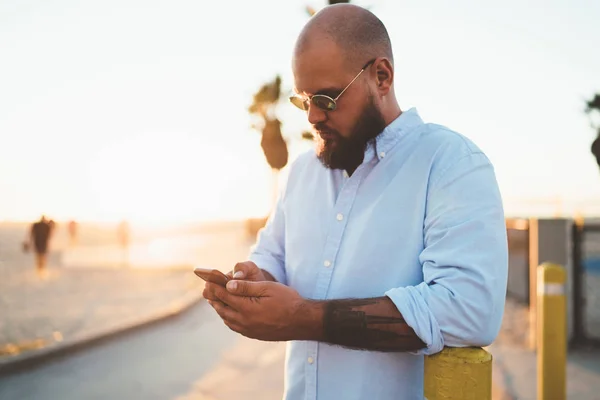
351 82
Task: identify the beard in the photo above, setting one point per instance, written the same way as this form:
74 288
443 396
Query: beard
338 152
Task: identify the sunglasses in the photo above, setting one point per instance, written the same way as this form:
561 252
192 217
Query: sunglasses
322 101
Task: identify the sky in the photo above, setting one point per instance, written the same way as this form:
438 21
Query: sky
138 109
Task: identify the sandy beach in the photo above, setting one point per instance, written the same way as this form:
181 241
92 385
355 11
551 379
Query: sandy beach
88 289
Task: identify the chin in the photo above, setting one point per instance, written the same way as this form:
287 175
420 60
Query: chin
325 149
329 159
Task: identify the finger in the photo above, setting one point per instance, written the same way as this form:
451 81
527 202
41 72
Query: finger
229 274
243 269
209 291
239 275
233 326
248 289
212 302
227 314
209 296
221 294
206 294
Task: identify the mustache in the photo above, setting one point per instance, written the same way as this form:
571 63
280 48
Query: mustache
321 128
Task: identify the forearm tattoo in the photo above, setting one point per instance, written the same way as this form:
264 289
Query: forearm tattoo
358 324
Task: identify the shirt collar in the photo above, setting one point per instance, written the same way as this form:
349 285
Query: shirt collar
392 133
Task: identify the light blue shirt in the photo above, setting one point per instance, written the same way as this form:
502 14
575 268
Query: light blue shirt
419 221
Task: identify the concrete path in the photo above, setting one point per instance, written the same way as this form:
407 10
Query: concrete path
71 306
164 361
248 370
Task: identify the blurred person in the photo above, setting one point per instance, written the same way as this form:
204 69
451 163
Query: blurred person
73 228
389 237
39 237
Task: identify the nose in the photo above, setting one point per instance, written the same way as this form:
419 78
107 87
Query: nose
315 114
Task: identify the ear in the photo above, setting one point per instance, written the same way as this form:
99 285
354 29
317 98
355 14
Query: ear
384 71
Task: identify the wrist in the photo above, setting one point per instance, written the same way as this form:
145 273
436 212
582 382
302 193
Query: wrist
307 320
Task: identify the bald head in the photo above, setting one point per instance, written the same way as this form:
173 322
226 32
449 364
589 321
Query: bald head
332 59
357 32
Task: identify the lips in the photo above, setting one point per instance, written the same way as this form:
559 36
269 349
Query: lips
328 136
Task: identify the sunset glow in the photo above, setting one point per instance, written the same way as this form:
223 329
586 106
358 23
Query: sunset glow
149 122
177 178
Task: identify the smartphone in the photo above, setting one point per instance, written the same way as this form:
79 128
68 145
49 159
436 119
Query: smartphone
212 275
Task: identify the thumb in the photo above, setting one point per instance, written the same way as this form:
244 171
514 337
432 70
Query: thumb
243 269
248 288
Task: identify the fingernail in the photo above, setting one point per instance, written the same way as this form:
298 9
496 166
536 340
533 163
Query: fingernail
232 285
238 275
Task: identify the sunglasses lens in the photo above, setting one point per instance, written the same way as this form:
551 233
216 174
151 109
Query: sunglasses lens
299 102
323 102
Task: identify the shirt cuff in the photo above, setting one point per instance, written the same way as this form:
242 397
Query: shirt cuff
270 265
413 308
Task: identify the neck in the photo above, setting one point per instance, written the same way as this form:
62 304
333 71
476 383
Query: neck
390 115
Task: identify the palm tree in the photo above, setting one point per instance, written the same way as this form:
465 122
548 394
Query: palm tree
274 146
263 106
593 110
265 101
272 142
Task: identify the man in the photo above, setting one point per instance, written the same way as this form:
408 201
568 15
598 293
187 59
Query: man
40 236
73 228
388 243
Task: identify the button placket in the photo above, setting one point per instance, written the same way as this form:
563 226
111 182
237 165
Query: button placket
312 352
341 210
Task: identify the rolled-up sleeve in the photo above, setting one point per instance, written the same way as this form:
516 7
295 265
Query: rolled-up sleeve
269 251
465 260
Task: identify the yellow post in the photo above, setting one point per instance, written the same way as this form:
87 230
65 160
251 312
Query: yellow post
551 333
459 374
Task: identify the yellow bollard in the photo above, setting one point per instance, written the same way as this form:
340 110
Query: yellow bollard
459 374
551 332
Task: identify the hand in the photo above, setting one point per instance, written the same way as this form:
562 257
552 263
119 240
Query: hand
246 270
267 311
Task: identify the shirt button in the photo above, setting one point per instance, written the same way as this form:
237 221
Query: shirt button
339 217
327 263
382 154
310 360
